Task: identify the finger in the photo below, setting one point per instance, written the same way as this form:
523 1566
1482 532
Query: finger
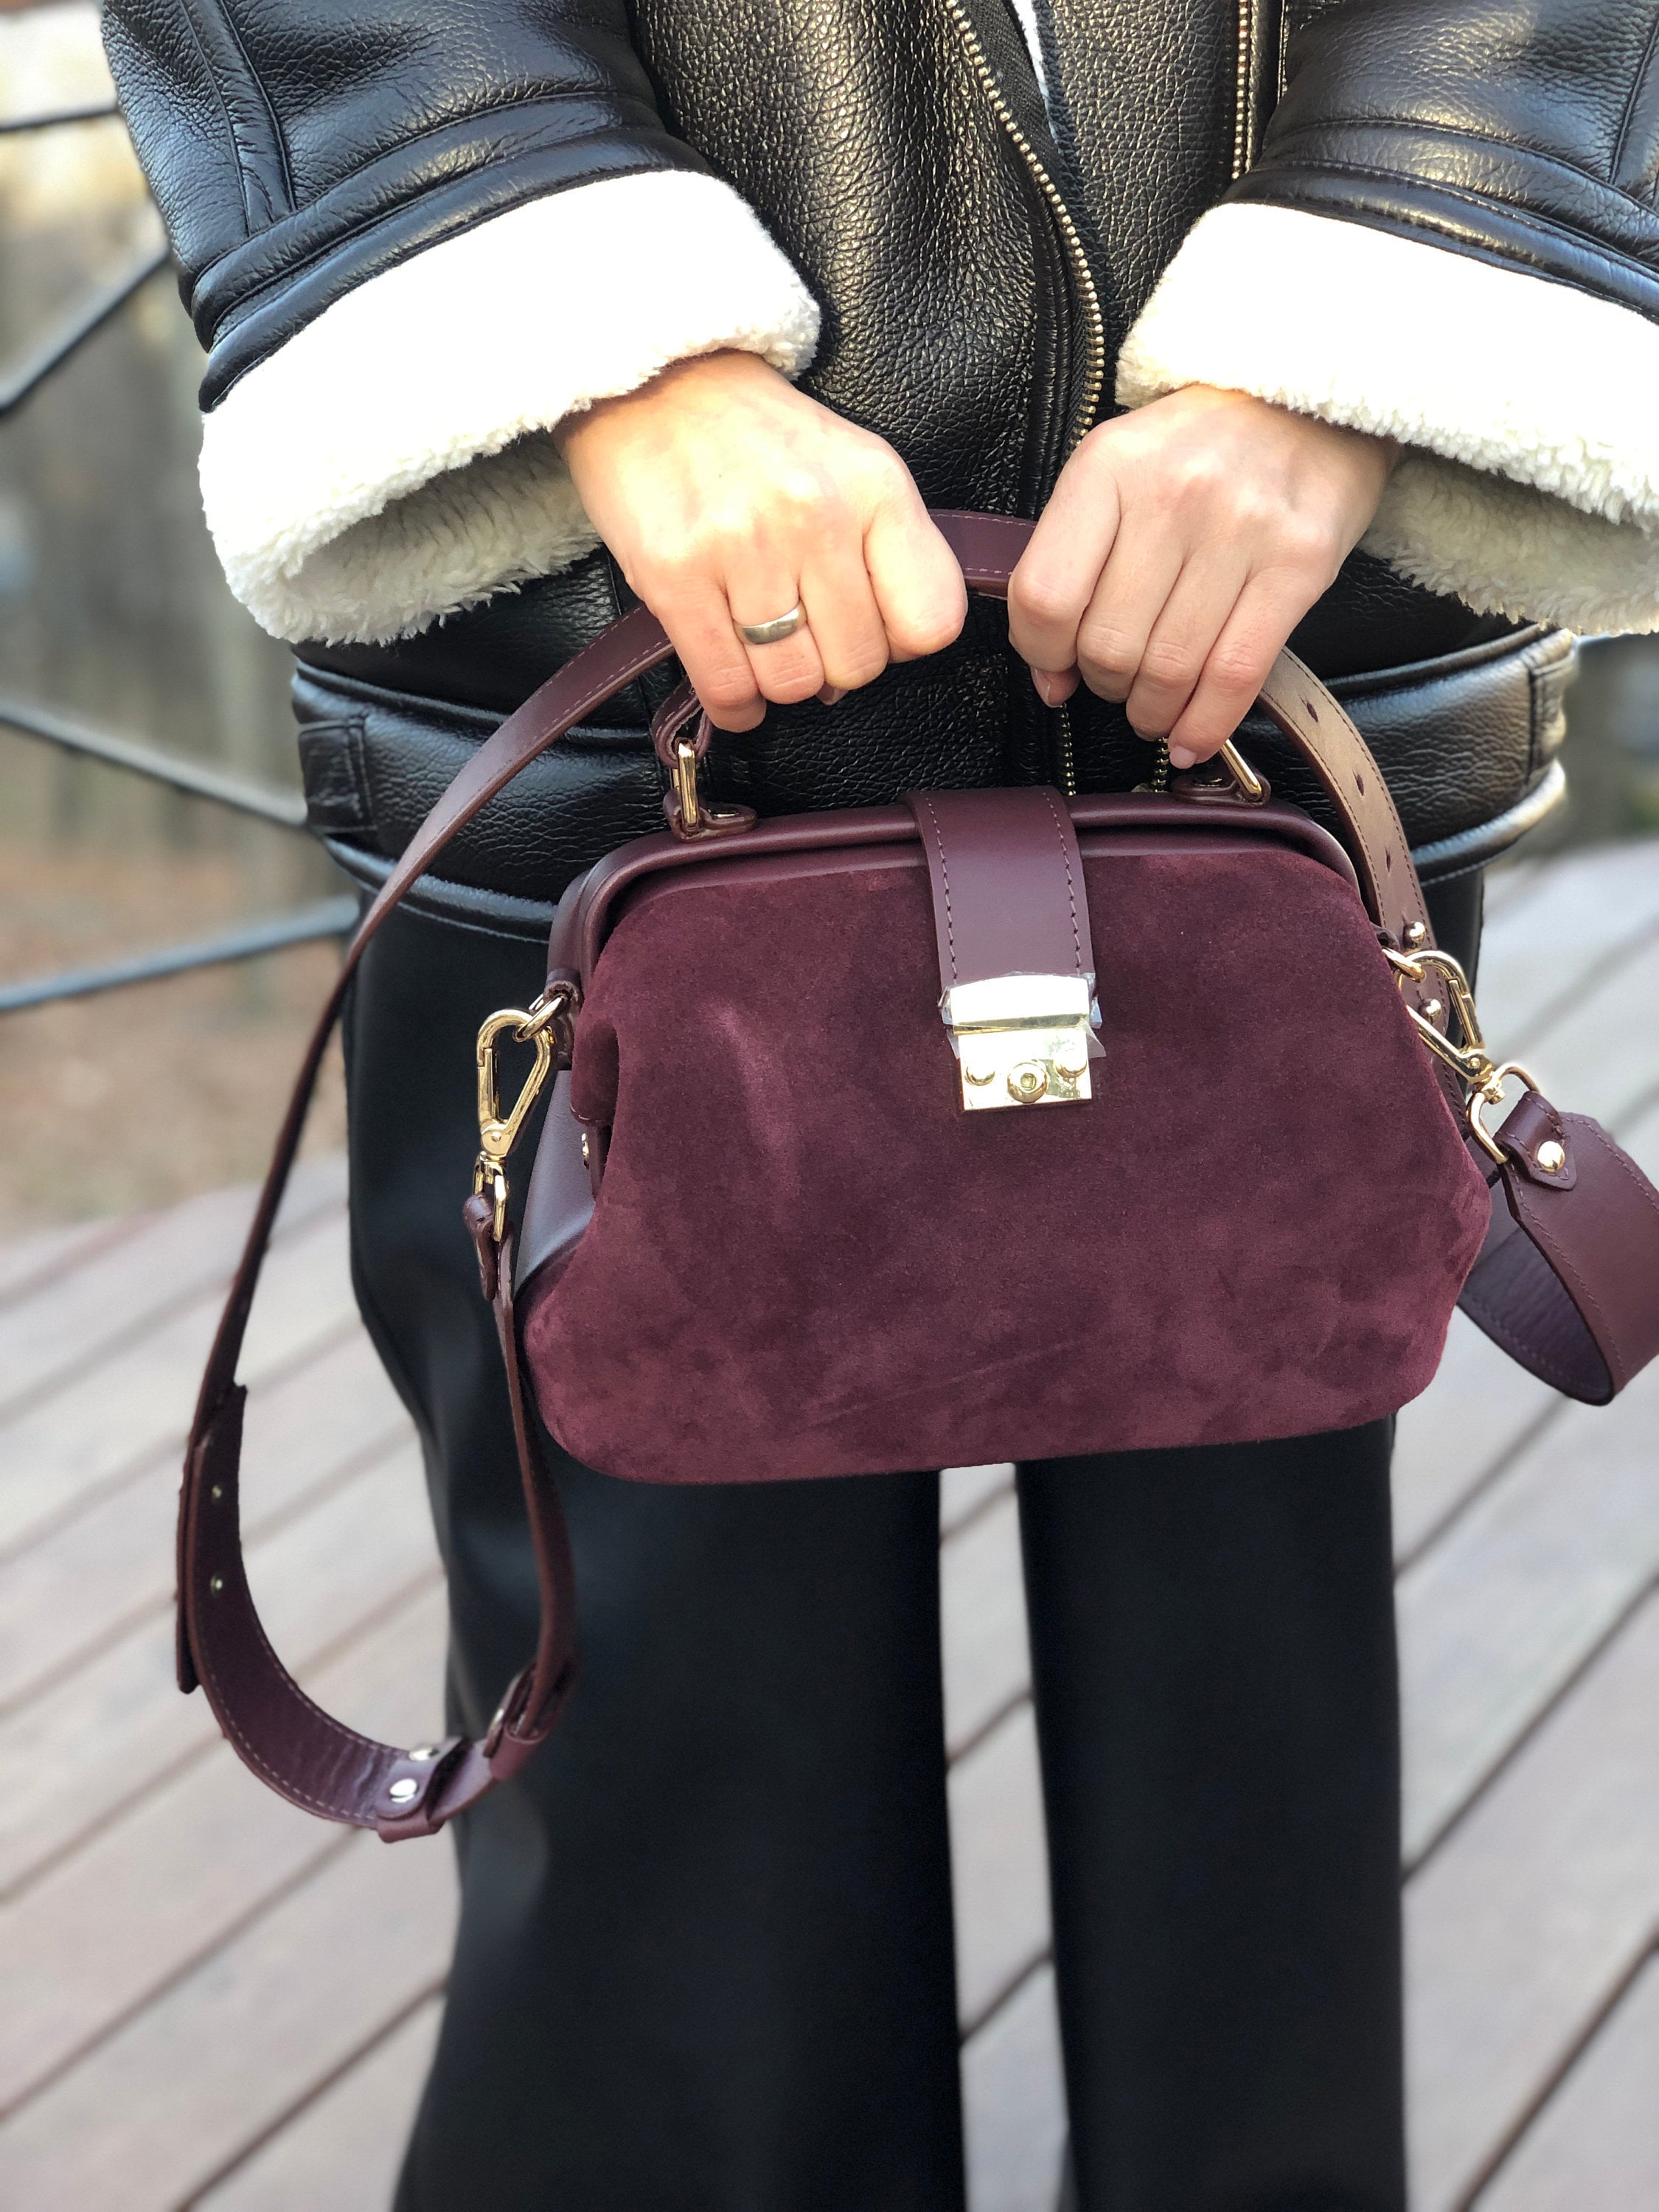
914 575
1059 571
759 590
1267 611
846 624
700 628
1182 639
1054 686
1132 594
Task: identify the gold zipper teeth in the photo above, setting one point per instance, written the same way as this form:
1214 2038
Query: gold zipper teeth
1095 380
1243 119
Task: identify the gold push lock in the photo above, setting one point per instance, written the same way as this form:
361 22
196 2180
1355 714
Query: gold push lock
1020 1039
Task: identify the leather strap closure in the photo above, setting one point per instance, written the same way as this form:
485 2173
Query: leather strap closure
1007 883
1590 1251
1016 959
1537 1140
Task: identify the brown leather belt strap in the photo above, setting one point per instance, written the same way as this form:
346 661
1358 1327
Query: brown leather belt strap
1578 1296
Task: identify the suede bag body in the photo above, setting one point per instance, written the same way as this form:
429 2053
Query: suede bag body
803 1259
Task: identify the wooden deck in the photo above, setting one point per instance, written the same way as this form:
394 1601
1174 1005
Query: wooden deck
160 2046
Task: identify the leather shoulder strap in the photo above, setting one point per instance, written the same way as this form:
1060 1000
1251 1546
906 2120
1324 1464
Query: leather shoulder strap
330 1770
289 1741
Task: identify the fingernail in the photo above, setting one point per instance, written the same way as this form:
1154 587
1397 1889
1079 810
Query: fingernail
1181 757
1048 686
832 695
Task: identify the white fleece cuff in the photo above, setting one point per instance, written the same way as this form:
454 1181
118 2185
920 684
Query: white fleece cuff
1530 483
392 462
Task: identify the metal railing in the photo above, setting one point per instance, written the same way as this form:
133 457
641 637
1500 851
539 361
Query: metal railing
284 810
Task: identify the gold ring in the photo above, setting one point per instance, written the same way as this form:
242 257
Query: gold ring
772 633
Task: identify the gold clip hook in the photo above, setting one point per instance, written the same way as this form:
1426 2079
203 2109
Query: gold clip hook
536 1026
1474 1064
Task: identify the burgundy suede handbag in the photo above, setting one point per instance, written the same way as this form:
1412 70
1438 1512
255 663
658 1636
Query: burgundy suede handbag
995 1125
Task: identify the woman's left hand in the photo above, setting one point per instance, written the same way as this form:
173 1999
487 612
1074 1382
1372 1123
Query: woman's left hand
1183 544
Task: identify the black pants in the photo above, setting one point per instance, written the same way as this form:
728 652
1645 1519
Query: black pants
705 1961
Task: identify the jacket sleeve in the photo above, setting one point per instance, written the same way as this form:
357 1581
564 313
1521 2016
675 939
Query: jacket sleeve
1450 236
413 235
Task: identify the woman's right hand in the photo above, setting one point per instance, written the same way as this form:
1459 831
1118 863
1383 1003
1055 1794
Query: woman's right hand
727 495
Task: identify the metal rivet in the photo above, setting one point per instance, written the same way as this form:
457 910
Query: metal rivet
1071 1056
217 1493
216 1584
1431 1009
424 1751
1550 1156
1028 1082
979 1071
402 1790
1415 935
587 1160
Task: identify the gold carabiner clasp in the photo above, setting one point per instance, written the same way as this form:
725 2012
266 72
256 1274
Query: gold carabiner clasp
1469 1057
1484 1078
537 1026
497 1132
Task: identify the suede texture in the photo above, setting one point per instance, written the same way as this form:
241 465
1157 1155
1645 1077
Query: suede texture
806 1259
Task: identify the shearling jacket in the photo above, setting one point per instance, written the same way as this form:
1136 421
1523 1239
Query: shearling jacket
415 234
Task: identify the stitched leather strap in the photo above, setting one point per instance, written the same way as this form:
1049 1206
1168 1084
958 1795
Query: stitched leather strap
1567 1281
1007 884
1599 1262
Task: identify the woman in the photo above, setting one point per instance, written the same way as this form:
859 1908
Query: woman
517 307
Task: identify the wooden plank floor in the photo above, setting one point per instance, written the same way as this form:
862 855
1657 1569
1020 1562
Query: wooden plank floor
160 2046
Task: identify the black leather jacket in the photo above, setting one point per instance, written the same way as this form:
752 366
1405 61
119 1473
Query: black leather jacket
978 261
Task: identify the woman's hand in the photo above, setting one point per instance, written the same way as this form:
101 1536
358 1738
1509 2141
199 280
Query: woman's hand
1183 544
727 497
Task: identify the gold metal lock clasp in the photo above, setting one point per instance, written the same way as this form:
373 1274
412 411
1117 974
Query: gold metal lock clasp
1021 1040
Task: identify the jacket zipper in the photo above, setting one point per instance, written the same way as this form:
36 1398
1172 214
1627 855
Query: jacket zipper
1094 322
1249 38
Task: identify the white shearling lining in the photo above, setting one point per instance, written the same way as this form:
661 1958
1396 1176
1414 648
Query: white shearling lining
392 462
1529 486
